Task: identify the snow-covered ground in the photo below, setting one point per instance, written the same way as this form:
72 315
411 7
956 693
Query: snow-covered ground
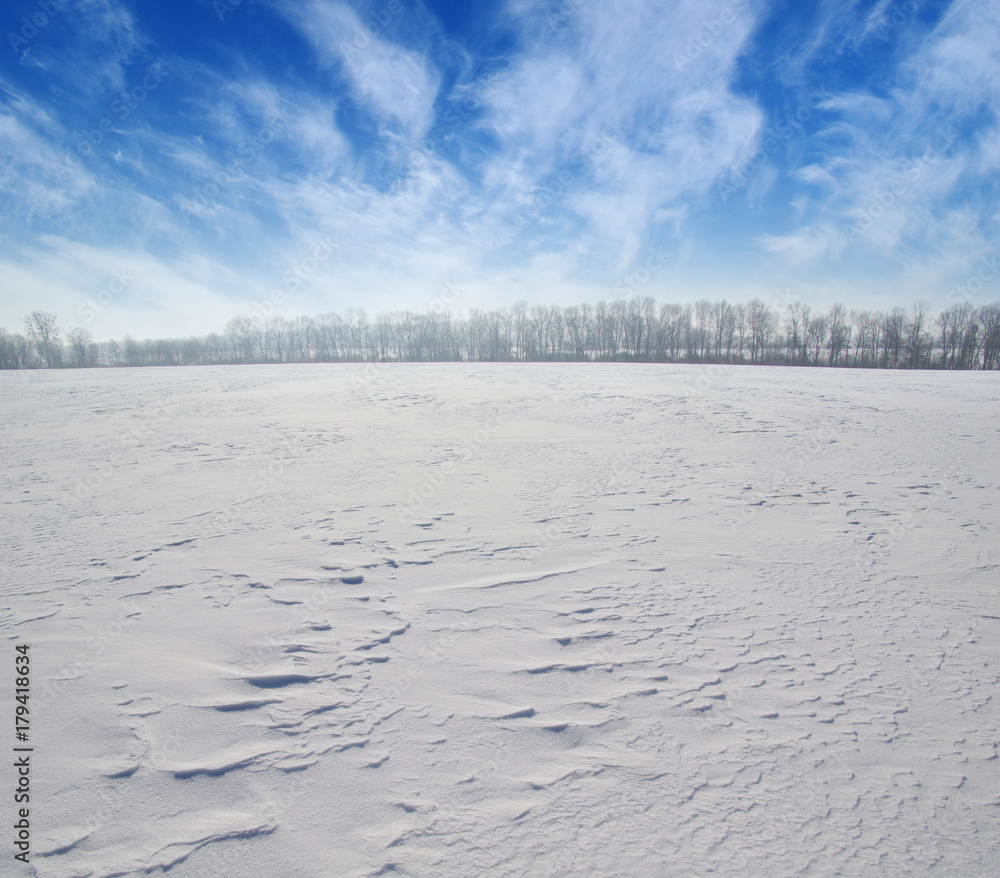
540 620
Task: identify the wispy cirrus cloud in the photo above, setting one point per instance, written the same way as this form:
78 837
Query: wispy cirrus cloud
620 105
395 83
531 149
895 173
100 37
40 180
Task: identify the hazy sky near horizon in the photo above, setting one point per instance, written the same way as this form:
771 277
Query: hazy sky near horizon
167 166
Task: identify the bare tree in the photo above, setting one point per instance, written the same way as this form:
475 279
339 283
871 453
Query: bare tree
989 316
840 332
114 353
241 335
385 336
357 325
650 324
893 326
191 351
43 331
16 351
262 339
675 320
816 331
301 333
865 328
702 319
8 351
762 324
638 330
917 344
164 351
961 336
742 327
498 334
79 341
134 354
519 315
796 316
723 326
218 348
615 335
576 330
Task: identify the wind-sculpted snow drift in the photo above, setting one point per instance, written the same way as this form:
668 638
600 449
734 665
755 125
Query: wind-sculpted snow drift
454 620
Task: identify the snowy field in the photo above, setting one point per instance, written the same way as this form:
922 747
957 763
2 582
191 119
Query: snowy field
539 620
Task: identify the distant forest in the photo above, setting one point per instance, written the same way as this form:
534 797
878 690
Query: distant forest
639 330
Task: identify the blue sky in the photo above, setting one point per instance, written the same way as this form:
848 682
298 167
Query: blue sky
167 166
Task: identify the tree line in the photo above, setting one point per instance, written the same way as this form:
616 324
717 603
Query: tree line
962 336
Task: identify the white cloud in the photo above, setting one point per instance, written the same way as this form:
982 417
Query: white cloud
37 180
647 84
607 130
103 41
892 166
117 290
805 246
395 83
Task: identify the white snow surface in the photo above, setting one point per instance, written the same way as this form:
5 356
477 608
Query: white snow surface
512 620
